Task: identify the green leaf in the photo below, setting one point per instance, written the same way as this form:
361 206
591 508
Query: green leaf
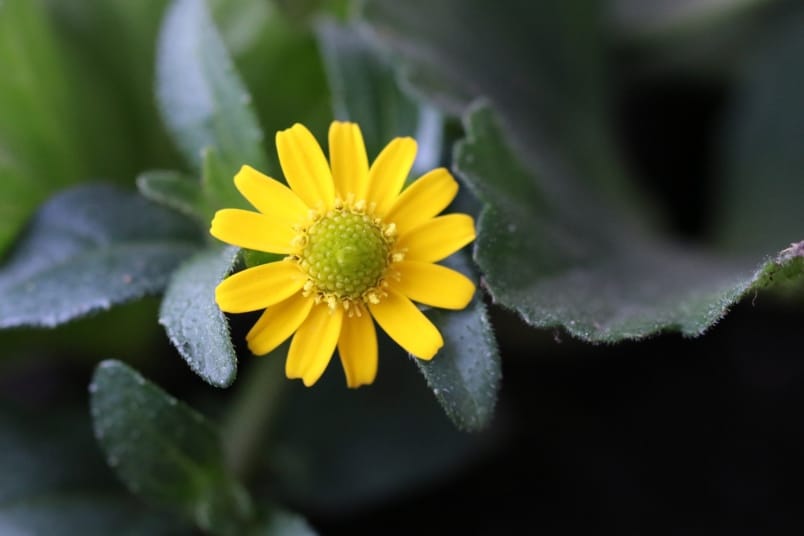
194 322
164 451
545 78
110 49
365 90
465 374
36 153
598 286
54 481
87 249
202 99
174 190
198 199
561 240
282 67
217 184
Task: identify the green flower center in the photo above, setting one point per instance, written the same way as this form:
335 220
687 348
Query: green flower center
346 255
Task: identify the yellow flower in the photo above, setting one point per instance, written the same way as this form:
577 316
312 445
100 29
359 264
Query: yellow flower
357 247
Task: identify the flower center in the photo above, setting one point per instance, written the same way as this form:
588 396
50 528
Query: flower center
345 254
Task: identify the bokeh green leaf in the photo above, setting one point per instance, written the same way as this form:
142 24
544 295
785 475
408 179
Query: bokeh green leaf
763 149
88 249
36 155
164 451
202 99
364 89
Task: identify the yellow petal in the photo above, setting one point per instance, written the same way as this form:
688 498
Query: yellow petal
305 167
406 325
347 156
277 323
357 347
314 343
437 238
432 284
259 287
252 230
270 196
388 173
423 200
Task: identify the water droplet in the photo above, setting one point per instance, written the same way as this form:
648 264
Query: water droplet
93 388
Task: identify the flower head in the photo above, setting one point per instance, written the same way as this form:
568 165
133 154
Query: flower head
358 249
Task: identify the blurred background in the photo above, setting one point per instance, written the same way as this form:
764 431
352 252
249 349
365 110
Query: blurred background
666 435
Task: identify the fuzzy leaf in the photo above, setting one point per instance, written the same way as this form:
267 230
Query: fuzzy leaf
599 287
198 199
561 240
202 99
164 451
365 90
465 374
87 249
194 322
545 78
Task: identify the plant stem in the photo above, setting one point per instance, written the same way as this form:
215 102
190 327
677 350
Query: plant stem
252 411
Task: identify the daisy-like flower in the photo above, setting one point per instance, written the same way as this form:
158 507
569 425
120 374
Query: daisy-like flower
358 249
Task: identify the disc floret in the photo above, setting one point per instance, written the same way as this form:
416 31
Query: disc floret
346 254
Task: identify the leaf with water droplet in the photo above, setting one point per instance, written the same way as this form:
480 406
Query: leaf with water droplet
164 451
194 322
87 249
